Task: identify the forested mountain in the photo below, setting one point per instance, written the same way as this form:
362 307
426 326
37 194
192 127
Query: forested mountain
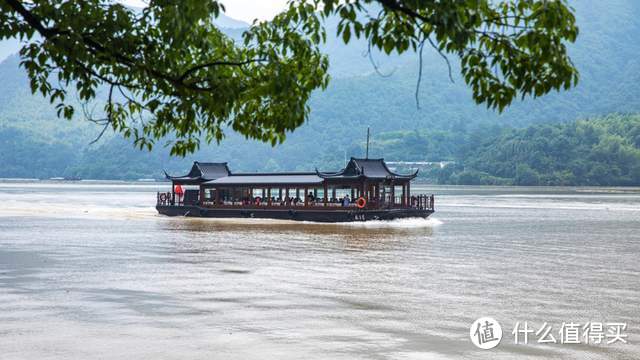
604 151
598 151
34 143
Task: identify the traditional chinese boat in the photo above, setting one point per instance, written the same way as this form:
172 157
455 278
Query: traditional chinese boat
366 189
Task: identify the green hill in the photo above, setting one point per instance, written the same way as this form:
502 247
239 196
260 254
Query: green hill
603 151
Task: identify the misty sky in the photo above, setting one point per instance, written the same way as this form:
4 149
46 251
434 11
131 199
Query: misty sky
245 10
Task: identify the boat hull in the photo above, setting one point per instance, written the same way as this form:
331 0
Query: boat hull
328 216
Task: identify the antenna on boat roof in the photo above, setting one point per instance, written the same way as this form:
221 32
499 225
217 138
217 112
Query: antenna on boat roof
367 157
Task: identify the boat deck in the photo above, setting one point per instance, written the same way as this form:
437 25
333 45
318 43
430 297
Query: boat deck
420 206
315 213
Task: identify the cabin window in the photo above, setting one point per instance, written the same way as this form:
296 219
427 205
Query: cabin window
209 194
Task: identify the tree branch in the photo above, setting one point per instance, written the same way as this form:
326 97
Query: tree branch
433 45
31 19
218 63
419 75
109 115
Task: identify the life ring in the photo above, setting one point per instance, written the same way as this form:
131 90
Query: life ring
361 202
163 198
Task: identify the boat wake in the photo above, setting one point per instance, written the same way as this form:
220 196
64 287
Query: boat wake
408 223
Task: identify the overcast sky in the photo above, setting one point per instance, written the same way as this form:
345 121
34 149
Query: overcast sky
245 10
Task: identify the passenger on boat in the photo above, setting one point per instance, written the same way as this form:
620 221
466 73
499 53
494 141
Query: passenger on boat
346 201
311 197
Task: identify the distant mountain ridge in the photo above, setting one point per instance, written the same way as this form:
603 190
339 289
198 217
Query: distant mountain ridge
8 47
228 22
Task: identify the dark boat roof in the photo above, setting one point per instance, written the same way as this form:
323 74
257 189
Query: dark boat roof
219 174
201 172
368 168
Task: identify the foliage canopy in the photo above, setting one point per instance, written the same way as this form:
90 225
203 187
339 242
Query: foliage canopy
598 152
170 73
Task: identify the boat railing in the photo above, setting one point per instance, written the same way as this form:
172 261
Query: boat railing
277 203
421 202
164 198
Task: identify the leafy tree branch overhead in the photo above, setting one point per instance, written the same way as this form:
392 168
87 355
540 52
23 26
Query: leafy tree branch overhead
172 74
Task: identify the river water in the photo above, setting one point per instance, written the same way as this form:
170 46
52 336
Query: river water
89 270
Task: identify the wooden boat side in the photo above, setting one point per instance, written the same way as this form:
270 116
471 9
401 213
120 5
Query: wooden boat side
302 214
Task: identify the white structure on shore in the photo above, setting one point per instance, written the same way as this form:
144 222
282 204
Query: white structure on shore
418 164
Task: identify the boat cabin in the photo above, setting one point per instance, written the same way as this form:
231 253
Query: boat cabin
362 184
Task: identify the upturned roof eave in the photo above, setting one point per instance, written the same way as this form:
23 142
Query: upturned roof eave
409 176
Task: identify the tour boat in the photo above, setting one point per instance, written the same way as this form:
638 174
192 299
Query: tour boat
366 189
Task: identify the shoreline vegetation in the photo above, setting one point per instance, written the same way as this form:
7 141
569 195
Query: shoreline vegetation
417 186
602 151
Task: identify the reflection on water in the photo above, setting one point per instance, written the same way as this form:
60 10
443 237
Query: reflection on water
87 270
